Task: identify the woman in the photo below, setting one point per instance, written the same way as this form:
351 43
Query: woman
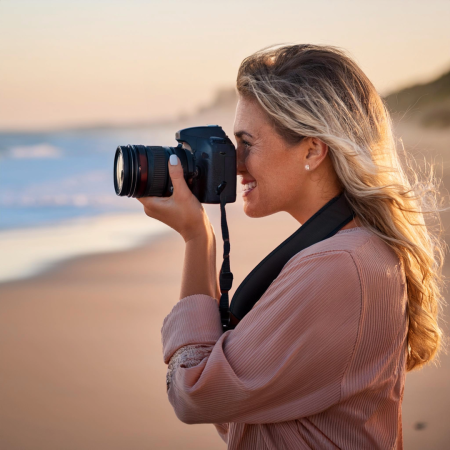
320 360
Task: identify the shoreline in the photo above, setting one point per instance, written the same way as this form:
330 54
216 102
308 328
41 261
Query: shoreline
60 264
29 252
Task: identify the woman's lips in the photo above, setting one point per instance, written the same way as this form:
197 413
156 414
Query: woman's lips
247 187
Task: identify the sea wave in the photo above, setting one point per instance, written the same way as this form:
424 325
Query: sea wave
76 200
34 151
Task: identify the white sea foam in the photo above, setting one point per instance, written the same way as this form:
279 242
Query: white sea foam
34 151
27 252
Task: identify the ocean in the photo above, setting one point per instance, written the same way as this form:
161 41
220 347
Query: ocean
57 197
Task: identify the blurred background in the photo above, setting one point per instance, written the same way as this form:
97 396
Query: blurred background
85 277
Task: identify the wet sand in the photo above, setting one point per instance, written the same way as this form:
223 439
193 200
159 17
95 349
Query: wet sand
80 354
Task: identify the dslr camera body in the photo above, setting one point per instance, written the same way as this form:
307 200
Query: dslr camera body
208 158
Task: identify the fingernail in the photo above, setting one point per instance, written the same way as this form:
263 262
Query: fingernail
173 160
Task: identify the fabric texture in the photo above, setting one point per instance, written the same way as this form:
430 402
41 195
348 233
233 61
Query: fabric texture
318 363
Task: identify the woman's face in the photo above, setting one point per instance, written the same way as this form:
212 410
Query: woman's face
273 173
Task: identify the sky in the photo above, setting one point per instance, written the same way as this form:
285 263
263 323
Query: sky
68 63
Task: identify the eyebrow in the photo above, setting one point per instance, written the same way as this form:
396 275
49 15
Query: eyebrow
239 134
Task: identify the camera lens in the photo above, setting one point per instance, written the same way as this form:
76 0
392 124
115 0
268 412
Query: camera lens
122 171
119 172
141 171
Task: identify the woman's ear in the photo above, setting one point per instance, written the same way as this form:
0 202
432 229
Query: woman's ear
317 152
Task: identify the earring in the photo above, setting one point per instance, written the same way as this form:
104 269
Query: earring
307 167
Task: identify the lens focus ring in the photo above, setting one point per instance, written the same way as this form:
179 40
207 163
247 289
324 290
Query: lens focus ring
160 171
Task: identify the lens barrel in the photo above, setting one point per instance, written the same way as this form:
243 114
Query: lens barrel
142 171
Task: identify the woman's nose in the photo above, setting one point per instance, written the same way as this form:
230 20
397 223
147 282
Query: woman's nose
240 162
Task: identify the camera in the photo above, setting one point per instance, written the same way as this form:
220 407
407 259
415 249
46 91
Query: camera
208 158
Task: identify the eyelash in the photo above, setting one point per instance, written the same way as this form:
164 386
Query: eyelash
246 144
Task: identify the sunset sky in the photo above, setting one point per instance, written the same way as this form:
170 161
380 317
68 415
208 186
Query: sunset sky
66 63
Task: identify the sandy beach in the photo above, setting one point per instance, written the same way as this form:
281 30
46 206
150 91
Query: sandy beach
80 352
81 364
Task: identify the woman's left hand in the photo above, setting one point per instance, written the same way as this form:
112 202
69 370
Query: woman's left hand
181 211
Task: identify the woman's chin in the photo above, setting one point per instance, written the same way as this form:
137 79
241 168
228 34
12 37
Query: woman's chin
252 210
249 213
253 206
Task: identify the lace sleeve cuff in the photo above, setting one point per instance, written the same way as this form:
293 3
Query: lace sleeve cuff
187 356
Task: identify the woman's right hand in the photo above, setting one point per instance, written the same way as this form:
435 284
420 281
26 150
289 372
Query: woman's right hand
181 211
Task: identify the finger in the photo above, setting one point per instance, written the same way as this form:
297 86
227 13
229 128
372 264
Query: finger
177 176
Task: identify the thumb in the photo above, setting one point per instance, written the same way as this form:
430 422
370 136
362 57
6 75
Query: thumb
177 175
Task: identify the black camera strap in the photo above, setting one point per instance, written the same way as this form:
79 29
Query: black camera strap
225 277
324 224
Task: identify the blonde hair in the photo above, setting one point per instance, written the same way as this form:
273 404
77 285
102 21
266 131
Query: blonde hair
318 91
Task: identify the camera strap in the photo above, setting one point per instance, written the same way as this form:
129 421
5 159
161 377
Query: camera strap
324 224
225 276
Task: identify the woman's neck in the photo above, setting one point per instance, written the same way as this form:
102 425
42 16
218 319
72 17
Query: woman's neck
353 224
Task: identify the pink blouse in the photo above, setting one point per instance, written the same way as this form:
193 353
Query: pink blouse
318 363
